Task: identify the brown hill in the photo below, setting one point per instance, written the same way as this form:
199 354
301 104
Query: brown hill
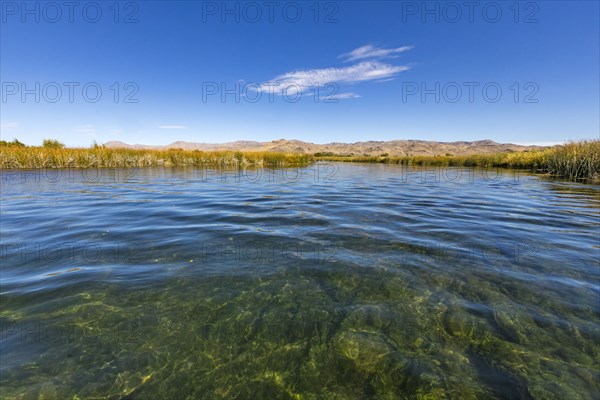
392 147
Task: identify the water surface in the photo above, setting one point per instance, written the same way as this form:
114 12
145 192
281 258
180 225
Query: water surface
335 281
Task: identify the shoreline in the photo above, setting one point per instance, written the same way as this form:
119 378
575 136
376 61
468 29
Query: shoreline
577 161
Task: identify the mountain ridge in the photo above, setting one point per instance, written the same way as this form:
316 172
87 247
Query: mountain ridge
390 147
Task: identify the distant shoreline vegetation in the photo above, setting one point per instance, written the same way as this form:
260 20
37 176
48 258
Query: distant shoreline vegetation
573 161
53 154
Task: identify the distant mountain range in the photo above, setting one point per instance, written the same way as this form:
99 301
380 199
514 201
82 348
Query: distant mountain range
392 147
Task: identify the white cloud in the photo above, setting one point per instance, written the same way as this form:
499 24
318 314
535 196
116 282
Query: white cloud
87 130
294 82
173 127
342 96
9 126
370 51
114 132
539 143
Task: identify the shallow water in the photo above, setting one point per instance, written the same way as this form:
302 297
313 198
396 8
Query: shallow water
337 281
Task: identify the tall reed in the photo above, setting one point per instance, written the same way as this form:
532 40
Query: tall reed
573 161
13 157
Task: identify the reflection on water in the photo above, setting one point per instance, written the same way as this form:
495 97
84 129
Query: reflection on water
333 281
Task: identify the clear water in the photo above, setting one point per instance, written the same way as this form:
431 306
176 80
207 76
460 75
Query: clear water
339 282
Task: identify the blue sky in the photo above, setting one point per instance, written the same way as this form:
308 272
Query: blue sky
525 72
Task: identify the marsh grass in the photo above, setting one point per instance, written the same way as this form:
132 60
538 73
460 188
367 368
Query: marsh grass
573 161
16 157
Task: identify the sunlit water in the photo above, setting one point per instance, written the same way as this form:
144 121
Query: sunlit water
339 282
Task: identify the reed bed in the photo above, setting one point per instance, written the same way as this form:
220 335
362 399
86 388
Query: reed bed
17 157
572 161
575 160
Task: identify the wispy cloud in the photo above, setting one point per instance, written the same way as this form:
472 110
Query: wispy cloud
539 143
173 127
343 96
370 51
87 130
299 81
114 132
327 79
9 126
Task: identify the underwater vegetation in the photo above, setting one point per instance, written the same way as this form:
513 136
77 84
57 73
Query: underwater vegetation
349 333
367 288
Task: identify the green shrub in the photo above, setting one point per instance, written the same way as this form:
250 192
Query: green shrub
52 144
15 142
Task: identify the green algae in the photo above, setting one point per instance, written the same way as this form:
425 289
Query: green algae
383 319
299 336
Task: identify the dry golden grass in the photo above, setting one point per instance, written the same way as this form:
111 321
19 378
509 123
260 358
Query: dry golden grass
574 161
13 157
